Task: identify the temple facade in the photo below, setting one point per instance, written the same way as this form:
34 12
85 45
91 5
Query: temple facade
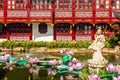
57 20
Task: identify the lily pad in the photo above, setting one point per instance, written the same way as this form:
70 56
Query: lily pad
66 58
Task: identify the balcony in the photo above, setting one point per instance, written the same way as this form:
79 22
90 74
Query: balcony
41 15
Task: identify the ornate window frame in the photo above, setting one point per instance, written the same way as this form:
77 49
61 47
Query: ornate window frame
17 4
43 28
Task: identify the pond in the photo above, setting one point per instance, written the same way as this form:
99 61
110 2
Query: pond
43 73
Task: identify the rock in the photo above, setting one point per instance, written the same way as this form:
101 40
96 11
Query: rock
117 49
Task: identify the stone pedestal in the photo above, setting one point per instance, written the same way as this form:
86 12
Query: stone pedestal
95 66
98 60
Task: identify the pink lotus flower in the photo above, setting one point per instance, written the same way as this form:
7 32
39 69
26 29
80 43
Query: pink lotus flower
77 66
52 72
111 68
53 62
74 61
2 58
94 77
5 57
116 78
6 67
32 70
61 78
69 52
34 60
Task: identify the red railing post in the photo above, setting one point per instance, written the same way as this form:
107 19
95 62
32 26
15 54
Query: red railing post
73 19
28 21
94 17
5 19
53 19
110 12
5 12
28 11
93 10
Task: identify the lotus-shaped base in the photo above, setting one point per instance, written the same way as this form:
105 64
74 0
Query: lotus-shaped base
97 64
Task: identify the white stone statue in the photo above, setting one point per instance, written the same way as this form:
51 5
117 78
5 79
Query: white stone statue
97 45
98 61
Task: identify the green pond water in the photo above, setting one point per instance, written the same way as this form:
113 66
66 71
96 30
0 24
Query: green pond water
23 74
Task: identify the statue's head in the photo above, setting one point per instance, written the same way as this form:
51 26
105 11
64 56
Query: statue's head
99 30
99 27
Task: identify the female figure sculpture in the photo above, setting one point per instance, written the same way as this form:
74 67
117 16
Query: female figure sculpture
98 61
97 45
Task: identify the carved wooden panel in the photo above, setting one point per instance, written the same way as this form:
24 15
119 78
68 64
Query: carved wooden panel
64 38
102 14
19 38
40 14
63 14
83 38
83 14
16 14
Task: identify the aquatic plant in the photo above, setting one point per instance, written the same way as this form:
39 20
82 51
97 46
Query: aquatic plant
93 77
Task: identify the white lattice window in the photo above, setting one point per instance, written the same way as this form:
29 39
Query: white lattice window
41 4
17 4
116 4
1 4
107 4
63 4
63 28
83 4
82 28
102 4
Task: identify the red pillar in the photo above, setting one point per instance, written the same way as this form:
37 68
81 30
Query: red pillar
53 19
28 13
94 17
73 19
73 32
28 10
93 10
8 34
30 32
110 12
5 19
5 12
93 33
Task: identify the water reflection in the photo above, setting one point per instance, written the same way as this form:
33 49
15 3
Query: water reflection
49 73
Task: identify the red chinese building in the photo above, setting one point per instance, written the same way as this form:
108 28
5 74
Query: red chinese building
59 20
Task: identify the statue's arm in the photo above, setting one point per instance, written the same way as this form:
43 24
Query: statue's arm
95 36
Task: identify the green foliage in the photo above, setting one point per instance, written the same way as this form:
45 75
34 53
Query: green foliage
110 58
103 71
85 73
114 41
10 44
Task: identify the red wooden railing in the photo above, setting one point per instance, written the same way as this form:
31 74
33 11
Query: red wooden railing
54 14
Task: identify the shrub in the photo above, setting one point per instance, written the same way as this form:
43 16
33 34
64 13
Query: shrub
10 44
114 41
